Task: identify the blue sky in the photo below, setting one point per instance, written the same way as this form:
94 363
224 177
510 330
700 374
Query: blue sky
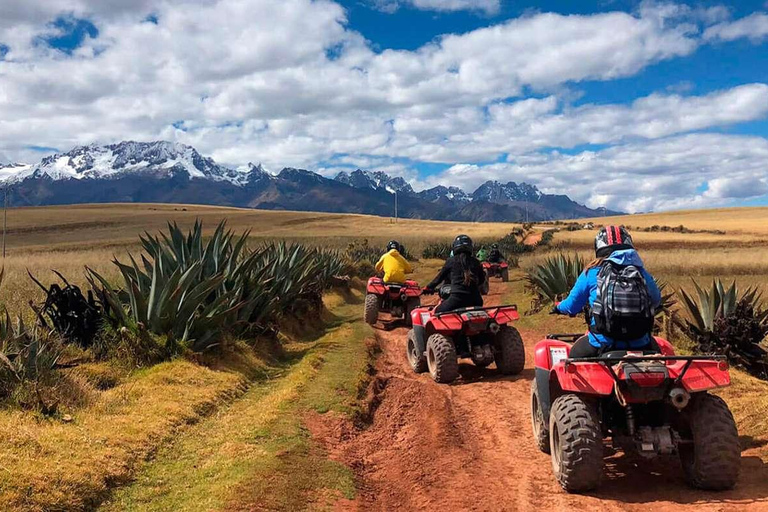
631 105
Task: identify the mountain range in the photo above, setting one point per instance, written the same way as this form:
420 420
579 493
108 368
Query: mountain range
175 173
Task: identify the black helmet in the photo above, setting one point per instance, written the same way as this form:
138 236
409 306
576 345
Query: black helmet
612 238
462 243
494 246
393 244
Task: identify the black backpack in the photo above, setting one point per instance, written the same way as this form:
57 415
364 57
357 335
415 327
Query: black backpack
622 310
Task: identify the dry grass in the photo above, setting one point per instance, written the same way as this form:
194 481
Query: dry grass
750 221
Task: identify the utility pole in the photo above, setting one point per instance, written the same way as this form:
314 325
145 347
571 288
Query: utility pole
395 206
5 216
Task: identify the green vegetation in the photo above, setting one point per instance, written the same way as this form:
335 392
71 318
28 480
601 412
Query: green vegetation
728 321
554 278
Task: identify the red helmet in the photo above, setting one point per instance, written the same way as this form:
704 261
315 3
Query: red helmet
612 238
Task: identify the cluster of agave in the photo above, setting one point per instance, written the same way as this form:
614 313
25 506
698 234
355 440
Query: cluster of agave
728 321
191 291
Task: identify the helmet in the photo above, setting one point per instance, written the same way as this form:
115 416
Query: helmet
462 243
494 246
393 244
612 238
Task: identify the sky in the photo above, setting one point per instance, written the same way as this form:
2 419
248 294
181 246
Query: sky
631 105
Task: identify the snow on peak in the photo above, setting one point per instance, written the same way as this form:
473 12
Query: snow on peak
375 180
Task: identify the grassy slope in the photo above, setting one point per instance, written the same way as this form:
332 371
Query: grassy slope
48 464
257 451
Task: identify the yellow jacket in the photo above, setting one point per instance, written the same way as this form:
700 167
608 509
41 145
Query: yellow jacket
394 267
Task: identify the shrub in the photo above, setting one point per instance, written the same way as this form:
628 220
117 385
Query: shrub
437 250
554 278
729 322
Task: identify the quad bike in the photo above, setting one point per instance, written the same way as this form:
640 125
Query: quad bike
437 341
500 269
399 300
651 404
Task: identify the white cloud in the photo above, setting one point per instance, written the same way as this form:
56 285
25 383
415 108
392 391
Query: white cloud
642 176
489 7
754 27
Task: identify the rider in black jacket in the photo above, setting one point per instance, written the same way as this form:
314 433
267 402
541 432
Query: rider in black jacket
464 273
495 255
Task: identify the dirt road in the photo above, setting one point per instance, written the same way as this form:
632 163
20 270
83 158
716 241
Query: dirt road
468 446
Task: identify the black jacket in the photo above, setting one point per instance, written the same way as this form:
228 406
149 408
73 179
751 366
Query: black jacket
453 274
495 256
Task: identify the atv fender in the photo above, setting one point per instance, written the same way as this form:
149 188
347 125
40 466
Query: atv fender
665 346
419 329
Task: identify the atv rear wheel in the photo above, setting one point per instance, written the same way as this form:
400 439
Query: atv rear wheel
576 443
410 305
540 427
510 351
371 309
417 361
442 361
505 275
712 461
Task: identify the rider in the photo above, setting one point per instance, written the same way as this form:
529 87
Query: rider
495 255
482 254
613 245
465 275
393 264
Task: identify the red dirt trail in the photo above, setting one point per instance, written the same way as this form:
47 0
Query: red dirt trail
468 446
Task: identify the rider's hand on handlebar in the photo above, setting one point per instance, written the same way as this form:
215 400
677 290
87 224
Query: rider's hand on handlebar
427 291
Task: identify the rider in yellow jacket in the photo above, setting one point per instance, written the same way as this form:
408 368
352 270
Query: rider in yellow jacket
393 264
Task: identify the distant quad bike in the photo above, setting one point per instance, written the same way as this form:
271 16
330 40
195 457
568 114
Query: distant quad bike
500 269
647 403
437 341
399 300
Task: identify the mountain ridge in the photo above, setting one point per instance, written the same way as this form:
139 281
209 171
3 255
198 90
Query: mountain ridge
163 171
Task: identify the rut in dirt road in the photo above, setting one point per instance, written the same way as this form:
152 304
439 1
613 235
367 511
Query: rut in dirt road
468 446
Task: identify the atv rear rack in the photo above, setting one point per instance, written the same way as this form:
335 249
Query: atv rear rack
639 359
477 308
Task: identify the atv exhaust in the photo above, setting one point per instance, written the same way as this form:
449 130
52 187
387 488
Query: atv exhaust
679 398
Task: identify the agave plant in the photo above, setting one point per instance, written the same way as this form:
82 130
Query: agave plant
555 277
191 291
727 321
437 251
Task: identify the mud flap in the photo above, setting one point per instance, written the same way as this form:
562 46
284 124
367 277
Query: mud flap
542 385
420 333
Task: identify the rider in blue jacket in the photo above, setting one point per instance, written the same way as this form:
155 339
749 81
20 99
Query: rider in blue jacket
613 244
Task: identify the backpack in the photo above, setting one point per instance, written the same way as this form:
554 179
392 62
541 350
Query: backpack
622 309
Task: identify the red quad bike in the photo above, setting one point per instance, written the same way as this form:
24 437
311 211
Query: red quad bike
647 403
500 269
437 341
399 300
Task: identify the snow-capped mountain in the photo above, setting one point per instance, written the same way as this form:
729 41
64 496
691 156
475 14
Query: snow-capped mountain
375 180
166 172
445 193
101 162
497 192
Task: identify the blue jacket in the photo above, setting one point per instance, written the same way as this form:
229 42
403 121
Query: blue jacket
585 291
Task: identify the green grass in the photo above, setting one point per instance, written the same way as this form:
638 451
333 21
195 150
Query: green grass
258 451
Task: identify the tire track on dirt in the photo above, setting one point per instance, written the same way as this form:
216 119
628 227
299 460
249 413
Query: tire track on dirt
468 446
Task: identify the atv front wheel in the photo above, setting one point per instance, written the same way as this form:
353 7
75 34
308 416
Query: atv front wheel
540 427
576 443
442 361
712 460
417 361
510 351
505 275
371 309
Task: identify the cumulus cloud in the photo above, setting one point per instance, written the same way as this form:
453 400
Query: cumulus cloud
753 27
287 82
